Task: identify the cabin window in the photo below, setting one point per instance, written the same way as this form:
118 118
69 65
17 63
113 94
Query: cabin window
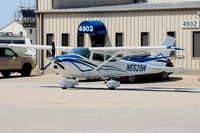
100 57
144 39
81 51
196 44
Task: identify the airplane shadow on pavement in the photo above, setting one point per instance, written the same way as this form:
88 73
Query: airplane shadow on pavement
149 80
145 89
139 88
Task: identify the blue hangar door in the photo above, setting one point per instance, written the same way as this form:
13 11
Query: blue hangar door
96 30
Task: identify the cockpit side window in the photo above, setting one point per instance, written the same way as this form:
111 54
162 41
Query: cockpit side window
98 57
108 57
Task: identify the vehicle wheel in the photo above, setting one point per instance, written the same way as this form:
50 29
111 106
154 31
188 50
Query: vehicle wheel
131 79
6 74
64 88
111 88
164 75
26 70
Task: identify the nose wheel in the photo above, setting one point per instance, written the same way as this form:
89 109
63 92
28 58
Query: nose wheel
69 83
112 84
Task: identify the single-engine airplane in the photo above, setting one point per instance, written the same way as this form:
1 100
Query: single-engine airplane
103 63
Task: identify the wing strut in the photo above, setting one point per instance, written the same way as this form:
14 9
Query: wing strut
104 63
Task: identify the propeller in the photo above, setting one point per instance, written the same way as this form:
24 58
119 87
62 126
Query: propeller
53 51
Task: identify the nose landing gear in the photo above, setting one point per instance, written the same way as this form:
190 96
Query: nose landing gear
112 84
69 83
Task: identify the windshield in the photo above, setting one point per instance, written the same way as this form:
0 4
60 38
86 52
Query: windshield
81 51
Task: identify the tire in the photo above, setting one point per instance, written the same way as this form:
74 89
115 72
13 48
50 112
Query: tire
111 88
131 79
6 74
26 70
64 88
164 75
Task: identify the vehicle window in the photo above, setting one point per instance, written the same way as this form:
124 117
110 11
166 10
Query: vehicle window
2 52
8 52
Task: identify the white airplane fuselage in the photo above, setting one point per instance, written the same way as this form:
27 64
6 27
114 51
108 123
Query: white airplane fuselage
77 66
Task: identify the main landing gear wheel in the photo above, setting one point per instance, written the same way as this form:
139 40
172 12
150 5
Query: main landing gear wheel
164 75
131 79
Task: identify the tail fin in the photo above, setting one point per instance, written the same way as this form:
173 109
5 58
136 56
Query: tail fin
169 41
162 56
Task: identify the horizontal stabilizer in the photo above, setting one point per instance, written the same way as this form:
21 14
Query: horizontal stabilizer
169 69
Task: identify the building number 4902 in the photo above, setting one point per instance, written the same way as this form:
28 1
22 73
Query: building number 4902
86 29
190 24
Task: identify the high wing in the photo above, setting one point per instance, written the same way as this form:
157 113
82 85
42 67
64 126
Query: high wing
132 50
42 47
100 50
167 45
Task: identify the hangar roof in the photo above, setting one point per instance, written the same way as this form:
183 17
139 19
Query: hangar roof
130 7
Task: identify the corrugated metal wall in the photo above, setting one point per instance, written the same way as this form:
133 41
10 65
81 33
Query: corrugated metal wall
44 4
131 24
62 4
162 1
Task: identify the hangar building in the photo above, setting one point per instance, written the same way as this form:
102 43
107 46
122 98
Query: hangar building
124 23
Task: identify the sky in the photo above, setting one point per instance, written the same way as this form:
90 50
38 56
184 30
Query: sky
7 8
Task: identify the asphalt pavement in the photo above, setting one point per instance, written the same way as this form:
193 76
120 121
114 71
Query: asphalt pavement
37 104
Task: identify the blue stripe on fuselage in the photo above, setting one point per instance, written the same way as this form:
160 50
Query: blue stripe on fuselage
142 59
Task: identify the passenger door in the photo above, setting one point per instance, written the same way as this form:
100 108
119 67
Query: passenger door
3 60
12 60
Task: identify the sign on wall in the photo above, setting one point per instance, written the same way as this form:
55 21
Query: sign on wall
190 24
